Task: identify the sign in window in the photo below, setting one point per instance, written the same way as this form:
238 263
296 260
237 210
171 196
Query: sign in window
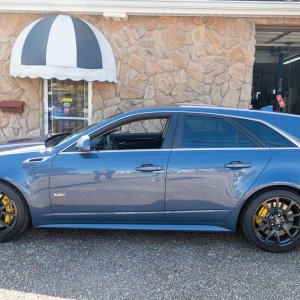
67 105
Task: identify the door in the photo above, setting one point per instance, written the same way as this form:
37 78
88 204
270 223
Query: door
213 164
122 178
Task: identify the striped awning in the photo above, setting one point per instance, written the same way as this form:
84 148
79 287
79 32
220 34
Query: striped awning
63 47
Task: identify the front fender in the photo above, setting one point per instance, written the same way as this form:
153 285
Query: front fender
30 176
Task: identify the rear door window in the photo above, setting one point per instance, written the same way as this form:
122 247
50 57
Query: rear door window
200 131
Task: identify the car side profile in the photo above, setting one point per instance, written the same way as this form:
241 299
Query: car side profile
170 168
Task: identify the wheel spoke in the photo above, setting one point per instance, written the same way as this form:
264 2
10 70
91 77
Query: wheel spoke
295 226
266 207
4 206
270 234
9 214
4 224
277 237
293 215
262 228
277 204
289 207
288 233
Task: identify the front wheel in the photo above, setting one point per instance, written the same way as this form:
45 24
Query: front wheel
272 221
14 213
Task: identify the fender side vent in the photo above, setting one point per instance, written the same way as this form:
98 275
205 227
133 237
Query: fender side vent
36 159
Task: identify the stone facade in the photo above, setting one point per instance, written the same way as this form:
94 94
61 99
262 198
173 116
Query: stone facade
29 123
177 60
160 61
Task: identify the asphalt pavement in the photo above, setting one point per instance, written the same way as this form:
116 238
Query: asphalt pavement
95 264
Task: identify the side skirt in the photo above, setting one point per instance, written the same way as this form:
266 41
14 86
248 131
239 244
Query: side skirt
162 227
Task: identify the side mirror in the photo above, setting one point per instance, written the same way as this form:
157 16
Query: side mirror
84 143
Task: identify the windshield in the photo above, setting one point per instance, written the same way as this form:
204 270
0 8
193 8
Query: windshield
64 137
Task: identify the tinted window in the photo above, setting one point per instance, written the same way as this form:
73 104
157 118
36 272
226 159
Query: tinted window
212 132
266 134
139 134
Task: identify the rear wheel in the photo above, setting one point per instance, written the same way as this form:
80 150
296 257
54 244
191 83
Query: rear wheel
14 213
272 221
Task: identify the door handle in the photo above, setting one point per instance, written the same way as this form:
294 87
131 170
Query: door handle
237 165
149 168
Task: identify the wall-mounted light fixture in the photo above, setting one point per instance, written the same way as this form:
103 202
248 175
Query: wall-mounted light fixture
291 59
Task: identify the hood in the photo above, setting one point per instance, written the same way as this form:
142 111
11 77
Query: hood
48 141
22 143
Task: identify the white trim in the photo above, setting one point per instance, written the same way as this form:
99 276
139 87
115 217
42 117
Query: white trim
90 103
235 149
69 118
62 73
112 151
46 108
155 7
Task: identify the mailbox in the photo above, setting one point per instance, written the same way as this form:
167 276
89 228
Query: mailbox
12 106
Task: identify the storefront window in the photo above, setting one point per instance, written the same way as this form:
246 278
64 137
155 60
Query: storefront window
68 108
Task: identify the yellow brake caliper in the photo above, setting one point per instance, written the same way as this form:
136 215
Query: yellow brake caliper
9 209
262 213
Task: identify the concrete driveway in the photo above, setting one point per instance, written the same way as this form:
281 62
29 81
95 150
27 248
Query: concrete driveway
79 264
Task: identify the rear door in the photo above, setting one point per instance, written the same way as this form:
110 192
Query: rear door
213 164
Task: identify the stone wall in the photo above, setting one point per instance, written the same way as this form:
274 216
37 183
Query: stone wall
177 60
29 123
160 61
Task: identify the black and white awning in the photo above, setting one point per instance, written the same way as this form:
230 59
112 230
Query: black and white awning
63 47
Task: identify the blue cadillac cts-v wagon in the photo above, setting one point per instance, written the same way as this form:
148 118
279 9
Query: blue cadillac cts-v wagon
172 168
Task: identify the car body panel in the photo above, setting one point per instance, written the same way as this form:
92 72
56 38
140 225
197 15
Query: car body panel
30 177
108 185
280 172
200 188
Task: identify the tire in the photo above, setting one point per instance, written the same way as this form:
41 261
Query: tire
272 221
14 213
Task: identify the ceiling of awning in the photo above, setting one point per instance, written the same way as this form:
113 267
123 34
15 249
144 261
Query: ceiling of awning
63 47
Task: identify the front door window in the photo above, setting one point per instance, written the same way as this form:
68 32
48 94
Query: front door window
67 106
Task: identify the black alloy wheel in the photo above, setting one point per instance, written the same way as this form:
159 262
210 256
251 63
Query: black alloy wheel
272 221
14 213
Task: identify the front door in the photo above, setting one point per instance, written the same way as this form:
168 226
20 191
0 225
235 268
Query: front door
122 179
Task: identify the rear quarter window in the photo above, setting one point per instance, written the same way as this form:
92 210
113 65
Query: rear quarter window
267 135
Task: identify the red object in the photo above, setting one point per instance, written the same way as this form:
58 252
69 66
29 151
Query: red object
280 101
13 106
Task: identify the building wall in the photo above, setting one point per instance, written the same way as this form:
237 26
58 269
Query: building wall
178 60
29 123
160 61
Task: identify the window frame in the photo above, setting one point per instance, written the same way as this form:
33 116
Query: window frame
179 132
167 144
46 107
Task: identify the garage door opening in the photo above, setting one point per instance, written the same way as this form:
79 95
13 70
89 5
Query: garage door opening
277 68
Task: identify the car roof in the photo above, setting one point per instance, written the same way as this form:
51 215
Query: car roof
286 122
